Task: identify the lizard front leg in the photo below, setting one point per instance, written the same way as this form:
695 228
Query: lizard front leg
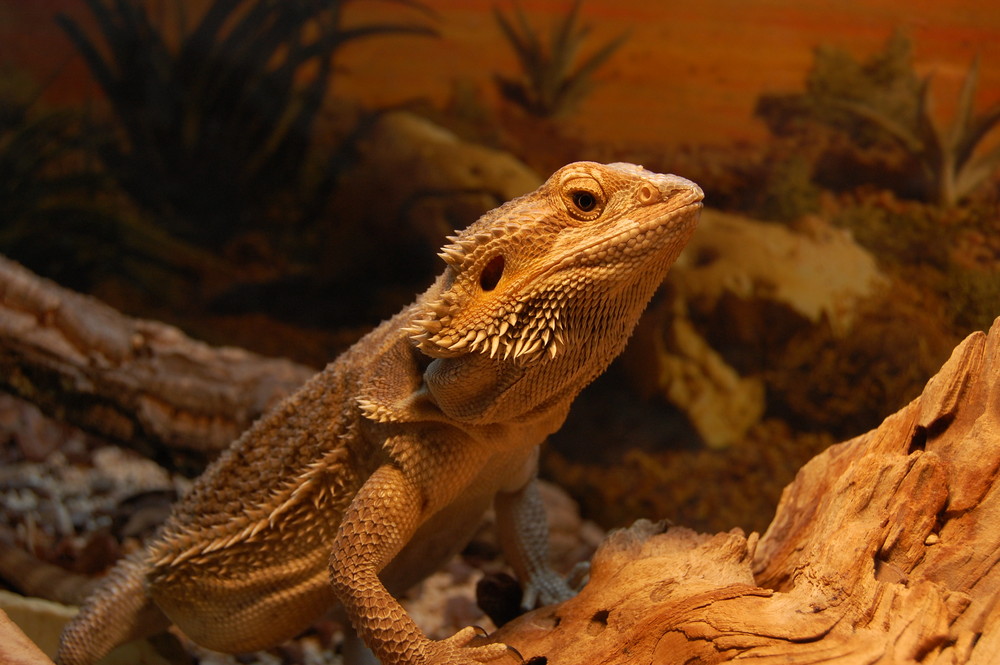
379 522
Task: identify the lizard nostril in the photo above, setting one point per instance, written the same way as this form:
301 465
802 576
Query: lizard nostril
647 194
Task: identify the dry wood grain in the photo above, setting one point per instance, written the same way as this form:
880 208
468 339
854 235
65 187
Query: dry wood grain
885 549
140 383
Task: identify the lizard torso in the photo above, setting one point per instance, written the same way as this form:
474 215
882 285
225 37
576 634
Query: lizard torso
378 469
248 548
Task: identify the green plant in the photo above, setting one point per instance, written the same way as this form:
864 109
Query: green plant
883 104
550 85
217 119
51 217
946 155
788 191
900 233
973 297
847 383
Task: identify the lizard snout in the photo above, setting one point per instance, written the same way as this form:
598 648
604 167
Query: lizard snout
669 187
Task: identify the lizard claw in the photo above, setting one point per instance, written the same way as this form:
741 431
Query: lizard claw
455 650
579 575
548 588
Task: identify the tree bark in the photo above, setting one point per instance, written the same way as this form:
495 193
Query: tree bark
140 383
884 549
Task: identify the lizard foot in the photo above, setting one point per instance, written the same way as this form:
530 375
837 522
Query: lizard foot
455 650
547 587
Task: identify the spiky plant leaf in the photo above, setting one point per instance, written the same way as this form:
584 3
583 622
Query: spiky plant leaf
975 172
902 134
550 85
966 98
599 57
969 130
565 45
217 119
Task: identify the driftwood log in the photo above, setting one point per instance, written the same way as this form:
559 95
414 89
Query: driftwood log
139 383
885 548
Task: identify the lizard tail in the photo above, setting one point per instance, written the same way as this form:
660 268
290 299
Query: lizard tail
119 611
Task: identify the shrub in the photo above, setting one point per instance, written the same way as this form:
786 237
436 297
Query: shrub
550 85
882 106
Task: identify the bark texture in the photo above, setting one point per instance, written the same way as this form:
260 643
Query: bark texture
885 549
140 383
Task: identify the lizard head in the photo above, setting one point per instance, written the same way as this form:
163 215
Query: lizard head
542 293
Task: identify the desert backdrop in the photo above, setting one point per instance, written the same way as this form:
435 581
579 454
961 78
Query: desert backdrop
690 72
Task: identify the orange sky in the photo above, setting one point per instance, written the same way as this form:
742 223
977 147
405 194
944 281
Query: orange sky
690 72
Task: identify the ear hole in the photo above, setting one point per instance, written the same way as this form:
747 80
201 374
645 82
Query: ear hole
492 273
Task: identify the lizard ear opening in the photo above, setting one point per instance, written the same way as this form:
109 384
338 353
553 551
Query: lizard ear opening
492 272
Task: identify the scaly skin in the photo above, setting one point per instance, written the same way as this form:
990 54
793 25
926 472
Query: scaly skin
378 470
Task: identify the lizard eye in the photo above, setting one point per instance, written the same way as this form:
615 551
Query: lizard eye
490 277
583 200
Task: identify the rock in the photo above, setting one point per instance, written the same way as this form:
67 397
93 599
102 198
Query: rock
408 184
412 183
16 648
817 272
42 621
741 292
673 360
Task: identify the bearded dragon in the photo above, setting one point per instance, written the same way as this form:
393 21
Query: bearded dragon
378 469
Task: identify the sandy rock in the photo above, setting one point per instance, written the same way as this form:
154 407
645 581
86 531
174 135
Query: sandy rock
438 181
41 622
670 358
16 648
814 272
751 287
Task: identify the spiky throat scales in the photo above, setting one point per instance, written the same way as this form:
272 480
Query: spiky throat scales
513 274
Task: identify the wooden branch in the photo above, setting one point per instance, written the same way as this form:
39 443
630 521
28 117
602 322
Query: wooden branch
16 648
140 383
885 548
